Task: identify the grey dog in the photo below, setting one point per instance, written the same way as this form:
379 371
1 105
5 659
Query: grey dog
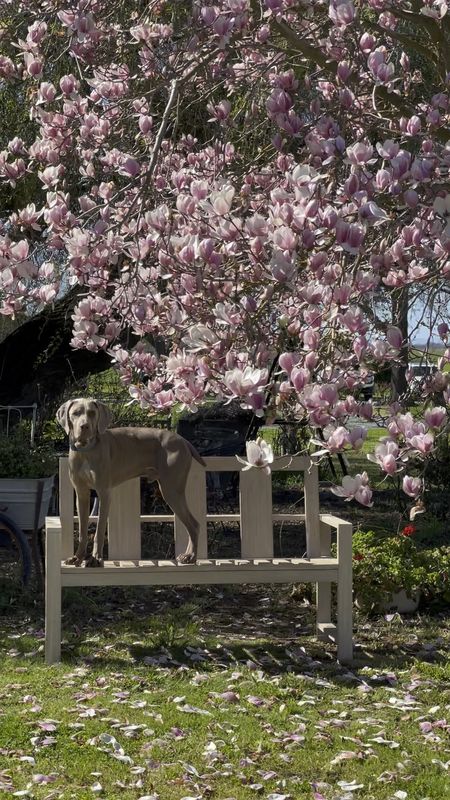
101 458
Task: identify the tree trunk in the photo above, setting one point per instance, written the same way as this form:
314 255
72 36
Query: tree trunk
399 384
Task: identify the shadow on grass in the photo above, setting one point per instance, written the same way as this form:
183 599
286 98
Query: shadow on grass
205 629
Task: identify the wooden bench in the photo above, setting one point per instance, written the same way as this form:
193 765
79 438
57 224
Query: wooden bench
125 567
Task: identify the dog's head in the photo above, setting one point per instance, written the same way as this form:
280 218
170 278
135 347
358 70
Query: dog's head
83 419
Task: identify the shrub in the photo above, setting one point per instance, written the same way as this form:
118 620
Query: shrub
383 565
20 459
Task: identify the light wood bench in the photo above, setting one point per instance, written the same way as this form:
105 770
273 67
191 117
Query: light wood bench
256 565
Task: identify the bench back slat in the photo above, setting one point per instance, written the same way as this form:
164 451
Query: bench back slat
311 483
255 500
124 523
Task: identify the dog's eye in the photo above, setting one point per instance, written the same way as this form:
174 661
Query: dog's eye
91 413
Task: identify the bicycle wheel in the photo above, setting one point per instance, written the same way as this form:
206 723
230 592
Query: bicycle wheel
13 539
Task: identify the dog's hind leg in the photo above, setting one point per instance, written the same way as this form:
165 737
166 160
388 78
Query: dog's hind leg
177 502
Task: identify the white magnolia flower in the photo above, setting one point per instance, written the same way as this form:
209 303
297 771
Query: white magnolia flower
259 454
199 337
441 206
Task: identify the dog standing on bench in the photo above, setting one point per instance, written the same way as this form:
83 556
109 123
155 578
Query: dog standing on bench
100 459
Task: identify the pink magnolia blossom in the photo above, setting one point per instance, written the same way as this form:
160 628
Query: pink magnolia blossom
220 112
386 455
335 440
288 361
406 425
435 417
349 236
359 153
342 12
222 200
299 378
242 383
421 443
199 337
412 486
357 437
356 488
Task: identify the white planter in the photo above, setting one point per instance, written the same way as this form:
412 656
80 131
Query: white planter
18 499
402 602
398 601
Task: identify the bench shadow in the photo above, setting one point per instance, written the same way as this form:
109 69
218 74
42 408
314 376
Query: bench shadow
256 628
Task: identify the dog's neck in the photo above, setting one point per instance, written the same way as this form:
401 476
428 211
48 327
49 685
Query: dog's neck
84 448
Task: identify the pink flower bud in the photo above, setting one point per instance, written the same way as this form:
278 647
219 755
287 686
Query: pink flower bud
33 65
263 34
312 209
209 14
394 337
414 125
367 42
145 123
434 417
344 71
47 92
411 198
383 179
317 261
130 167
351 185
404 61
341 12
287 361
67 84
299 378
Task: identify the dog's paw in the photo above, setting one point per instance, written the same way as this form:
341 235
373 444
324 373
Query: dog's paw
187 558
93 562
74 561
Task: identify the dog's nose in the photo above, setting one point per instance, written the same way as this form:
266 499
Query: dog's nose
83 426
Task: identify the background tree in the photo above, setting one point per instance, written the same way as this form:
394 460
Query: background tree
244 178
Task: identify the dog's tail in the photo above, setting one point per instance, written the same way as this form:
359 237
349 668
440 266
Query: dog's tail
196 455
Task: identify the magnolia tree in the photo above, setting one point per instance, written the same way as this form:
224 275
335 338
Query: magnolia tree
250 181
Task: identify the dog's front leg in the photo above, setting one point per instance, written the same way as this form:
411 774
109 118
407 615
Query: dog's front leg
83 499
104 502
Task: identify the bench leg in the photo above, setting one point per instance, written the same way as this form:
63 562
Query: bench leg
345 595
323 602
325 630
53 595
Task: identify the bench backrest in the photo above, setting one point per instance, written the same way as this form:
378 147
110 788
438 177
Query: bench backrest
255 509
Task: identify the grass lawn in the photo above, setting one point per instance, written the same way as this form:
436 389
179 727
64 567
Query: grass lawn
220 693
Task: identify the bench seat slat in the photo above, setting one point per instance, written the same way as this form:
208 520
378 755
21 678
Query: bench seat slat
215 571
141 576
208 564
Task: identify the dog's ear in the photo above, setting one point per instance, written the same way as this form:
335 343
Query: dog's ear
62 415
104 416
